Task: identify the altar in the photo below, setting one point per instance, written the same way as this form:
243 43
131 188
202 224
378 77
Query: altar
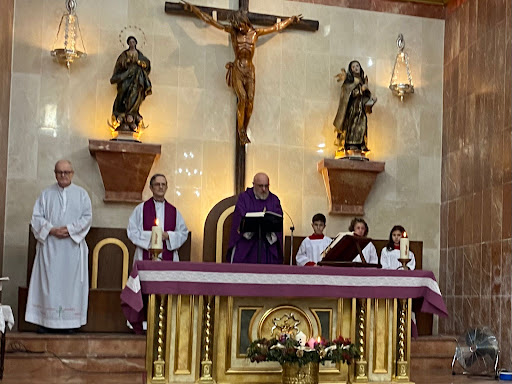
202 317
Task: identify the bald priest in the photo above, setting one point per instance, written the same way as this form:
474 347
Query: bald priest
245 247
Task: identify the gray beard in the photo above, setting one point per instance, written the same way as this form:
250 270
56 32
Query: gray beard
261 197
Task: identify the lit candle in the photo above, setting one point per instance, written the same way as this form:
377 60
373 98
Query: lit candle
156 236
404 246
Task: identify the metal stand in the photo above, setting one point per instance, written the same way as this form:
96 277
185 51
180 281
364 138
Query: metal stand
404 264
154 253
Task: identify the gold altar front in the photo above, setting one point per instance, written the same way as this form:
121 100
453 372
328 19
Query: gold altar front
203 339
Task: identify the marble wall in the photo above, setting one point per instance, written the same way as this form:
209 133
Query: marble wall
6 41
475 270
192 114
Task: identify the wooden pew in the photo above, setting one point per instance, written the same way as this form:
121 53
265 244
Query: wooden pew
104 312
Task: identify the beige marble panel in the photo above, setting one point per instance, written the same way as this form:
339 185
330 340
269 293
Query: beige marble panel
431 125
191 102
291 168
342 31
319 42
189 163
317 76
291 130
105 96
407 187
27 48
364 25
188 202
218 170
268 70
291 203
263 158
215 72
318 129
313 182
22 162
160 115
430 85
191 66
429 172
293 75
165 61
433 41
264 124
220 115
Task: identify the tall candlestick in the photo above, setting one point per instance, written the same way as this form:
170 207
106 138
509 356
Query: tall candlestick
404 246
156 236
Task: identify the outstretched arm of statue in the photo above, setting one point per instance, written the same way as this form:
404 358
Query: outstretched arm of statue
340 77
279 26
203 16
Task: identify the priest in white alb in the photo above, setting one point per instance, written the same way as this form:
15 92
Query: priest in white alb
144 217
59 285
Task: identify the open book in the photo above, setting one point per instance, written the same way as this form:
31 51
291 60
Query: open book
267 222
262 214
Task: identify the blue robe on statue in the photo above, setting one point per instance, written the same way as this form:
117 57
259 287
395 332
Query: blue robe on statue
246 250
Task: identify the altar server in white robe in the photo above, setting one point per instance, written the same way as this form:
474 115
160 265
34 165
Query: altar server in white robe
59 285
142 220
359 227
311 248
391 252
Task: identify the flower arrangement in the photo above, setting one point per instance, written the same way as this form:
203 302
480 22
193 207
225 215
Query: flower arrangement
288 349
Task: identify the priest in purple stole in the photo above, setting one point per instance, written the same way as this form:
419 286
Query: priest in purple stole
243 247
143 218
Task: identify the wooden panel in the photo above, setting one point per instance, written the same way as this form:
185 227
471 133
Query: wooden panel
104 313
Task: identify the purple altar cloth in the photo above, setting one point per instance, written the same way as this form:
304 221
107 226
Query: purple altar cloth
150 277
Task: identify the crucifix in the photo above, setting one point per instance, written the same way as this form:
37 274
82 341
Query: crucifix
241 73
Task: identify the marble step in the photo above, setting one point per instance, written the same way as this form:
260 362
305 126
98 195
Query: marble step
50 354
432 354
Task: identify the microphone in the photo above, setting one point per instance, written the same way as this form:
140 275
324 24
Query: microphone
292 228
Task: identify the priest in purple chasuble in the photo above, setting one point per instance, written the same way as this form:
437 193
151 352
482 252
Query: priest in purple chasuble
243 247
59 285
144 216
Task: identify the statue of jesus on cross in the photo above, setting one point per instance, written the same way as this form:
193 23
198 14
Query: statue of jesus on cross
240 75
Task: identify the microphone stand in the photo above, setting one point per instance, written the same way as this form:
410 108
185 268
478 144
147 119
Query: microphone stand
292 228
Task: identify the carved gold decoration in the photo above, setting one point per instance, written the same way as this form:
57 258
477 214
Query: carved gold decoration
159 363
95 256
362 362
403 340
284 319
206 363
380 335
184 335
295 374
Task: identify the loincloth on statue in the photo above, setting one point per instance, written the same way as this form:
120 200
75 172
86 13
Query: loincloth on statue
235 72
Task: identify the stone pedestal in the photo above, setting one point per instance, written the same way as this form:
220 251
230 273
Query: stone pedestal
124 167
348 183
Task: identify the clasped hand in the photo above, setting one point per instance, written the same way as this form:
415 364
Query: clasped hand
59 232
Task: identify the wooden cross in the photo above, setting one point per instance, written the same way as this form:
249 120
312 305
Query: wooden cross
257 19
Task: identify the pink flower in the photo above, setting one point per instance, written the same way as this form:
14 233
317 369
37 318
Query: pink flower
311 342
